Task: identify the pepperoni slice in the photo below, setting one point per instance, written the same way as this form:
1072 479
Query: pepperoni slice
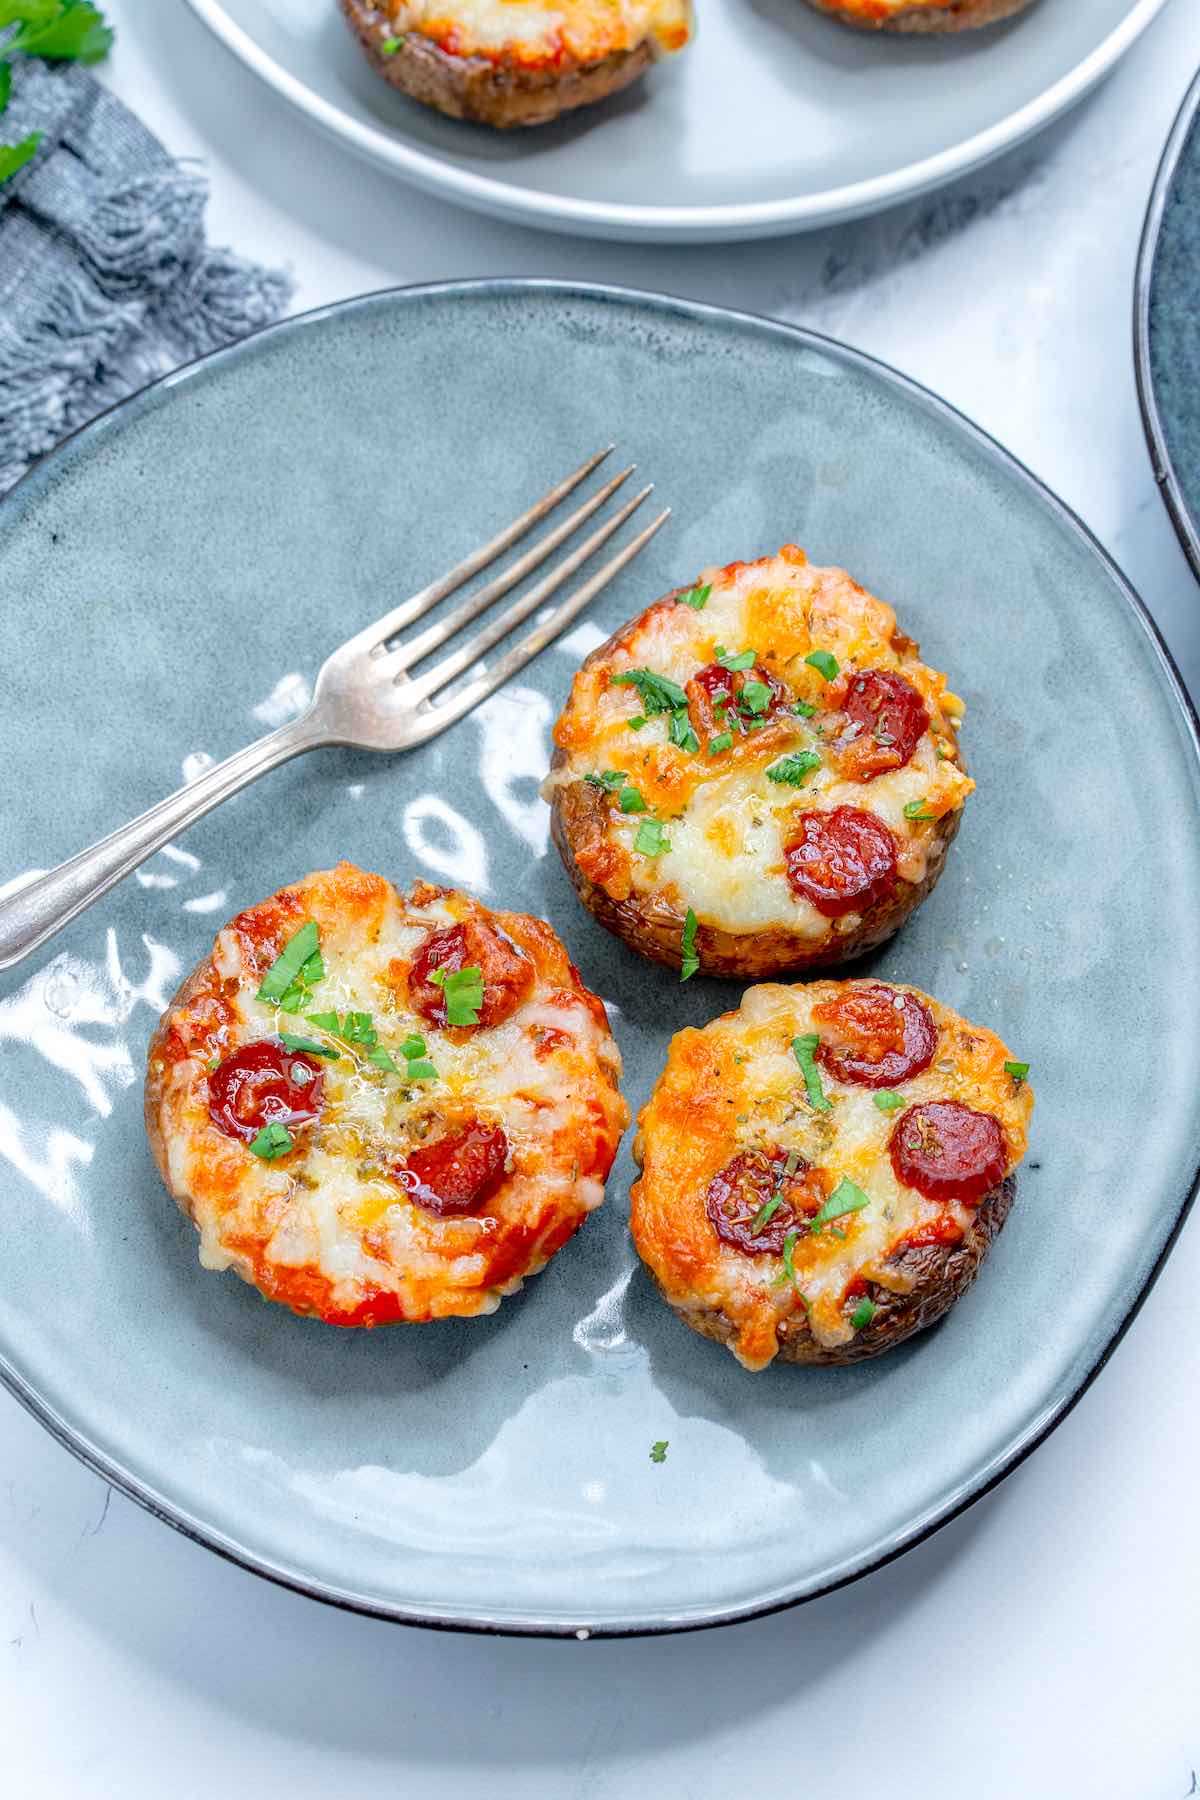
882 1037
456 1172
890 716
948 1152
843 861
264 1084
713 695
507 971
738 1192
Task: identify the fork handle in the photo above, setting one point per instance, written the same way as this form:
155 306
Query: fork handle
44 905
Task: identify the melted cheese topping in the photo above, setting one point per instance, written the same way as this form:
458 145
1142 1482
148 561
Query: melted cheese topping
726 821
557 34
325 1229
736 1086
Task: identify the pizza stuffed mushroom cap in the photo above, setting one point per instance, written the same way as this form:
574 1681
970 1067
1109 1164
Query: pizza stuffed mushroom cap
379 1107
824 1170
920 15
515 62
757 775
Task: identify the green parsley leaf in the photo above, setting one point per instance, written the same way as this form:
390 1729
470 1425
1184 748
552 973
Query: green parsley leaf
630 801
650 840
272 1141
863 1313
635 724
845 1198
804 1049
383 1060
824 662
766 1213
297 966
15 156
916 810
696 597
789 1251
754 698
309 1046
5 83
658 1452
464 994
805 708
1017 1070
657 693
69 31
390 45
691 956
359 1028
745 659
681 732
608 780
413 1046
722 741
326 1021
794 770
888 1102
420 1069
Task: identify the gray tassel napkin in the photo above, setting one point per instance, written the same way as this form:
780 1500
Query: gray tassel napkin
106 277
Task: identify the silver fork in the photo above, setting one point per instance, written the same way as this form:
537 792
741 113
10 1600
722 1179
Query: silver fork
364 696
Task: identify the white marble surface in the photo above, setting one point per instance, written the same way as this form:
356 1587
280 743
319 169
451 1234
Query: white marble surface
1043 1645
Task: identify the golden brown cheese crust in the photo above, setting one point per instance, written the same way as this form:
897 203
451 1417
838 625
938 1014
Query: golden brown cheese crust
447 59
726 821
330 1229
920 15
735 1090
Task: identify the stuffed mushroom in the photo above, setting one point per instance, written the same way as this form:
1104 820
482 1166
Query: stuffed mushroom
824 1170
758 775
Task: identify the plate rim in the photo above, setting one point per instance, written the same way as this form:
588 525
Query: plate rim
730 222
1185 521
897 1543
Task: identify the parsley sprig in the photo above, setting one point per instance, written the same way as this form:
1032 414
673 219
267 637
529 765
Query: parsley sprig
61 31
463 992
272 1141
289 981
794 770
804 1049
845 1198
691 956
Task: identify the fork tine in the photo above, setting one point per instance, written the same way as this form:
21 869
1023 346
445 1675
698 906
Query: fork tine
413 650
515 659
420 603
462 658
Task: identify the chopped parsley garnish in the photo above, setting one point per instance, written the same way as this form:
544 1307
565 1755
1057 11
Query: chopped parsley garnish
754 698
916 810
824 662
390 45
691 956
794 770
650 839
289 981
804 1050
607 780
382 1059
805 708
722 741
863 1313
417 1065
845 1198
635 724
745 659
888 1102
658 1452
272 1141
1017 1070
697 597
789 1269
681 732
412 1046
309 1046
766 1213
630 801
463 990
657 693
359 1028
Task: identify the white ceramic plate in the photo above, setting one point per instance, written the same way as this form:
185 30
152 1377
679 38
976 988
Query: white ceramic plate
774 120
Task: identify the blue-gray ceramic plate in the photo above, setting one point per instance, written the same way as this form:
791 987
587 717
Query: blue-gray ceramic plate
173 576
1167 325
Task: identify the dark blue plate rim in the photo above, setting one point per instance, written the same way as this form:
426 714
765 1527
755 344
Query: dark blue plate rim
162 1508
